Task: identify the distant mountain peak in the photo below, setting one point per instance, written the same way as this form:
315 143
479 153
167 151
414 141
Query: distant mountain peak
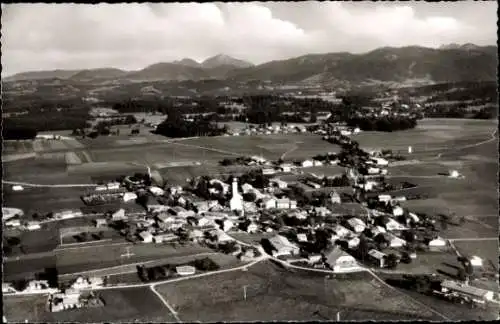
224 60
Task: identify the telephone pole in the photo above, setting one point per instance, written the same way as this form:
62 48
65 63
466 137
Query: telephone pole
245 292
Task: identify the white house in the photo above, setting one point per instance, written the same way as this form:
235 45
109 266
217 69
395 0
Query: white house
335 198
356 224
380 161
368 185
397 211
341 231
221 236
353 242
396 242
302 237
378 257
413 217
393 225
317 163
268 171
129 196
185 270
246 187
372 170
340 261
146 237
279 183
113 186
165 237
283 203
282 246
474 293
437 244
33 226
268 203
17 188
286 167
227 224
384 198
119 215
307 164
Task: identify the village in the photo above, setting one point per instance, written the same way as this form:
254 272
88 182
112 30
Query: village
344 223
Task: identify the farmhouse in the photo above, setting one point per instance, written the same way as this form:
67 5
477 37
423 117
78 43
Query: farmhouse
268 203
339 261
437 244
377 257
380 161
268 171
286 167
220 236
165 237
356 224
279 183
129 196
281 246
226 225
283 203
335 198
314 184
101 222
146 237
185 270
307 163
474 293
397 211
246 187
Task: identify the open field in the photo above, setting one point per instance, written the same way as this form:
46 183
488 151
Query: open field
121 305
430 135
277 294
487 250
77 260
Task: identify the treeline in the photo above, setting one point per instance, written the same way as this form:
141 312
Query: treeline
384 124
176 126
26 126
461 111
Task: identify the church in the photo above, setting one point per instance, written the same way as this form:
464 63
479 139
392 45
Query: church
236 202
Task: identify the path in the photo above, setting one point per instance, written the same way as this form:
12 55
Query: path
208 149
164 301
289 151
491 139
474 239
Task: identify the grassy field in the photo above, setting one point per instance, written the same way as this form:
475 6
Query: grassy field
121 305
276 294
95 257
487 250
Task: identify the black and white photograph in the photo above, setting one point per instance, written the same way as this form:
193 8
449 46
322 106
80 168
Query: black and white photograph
218 162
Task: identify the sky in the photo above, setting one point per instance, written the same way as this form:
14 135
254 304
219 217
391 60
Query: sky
132 36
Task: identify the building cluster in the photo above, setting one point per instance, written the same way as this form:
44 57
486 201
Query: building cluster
268 130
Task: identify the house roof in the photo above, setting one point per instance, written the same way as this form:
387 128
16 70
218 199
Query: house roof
376 254
463 288
280 242
355 222
335 253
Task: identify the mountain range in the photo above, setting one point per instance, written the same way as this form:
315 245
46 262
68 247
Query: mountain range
449 63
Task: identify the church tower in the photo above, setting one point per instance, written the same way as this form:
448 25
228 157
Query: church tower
236 202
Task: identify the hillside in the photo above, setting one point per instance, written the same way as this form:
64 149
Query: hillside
451 63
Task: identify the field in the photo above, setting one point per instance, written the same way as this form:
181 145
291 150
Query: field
121 305
487 250
276 294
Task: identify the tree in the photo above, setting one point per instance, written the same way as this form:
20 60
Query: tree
392 261
461 275
130 119
249 196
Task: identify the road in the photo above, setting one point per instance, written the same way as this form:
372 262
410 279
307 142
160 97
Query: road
474 239
35 185
491 139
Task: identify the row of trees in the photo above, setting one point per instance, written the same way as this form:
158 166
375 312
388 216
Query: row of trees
384 124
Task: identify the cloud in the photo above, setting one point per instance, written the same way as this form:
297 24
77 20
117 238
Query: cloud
131 36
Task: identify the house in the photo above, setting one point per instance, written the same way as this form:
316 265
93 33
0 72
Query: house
156 191
380 161
68 300
341 231
475 294
176 190
399 199
283 203
279 183
195 235
293 204
395 242
299 214
246 187
146 237
165 217
165 237
476 261
335 198
101 222
413 217
36 286
249 227
307 163
185 270
302 237
81 283
397 211
220 236
322 211
340 261
286 167
156 208
249 207
372 170
7 288
129 196
377 257
13 223
268 171
268 203
33 226
181 212
314 258
384 198
356 224
313 184
437 244
226 225
353 242
225 186
317 163
281 246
